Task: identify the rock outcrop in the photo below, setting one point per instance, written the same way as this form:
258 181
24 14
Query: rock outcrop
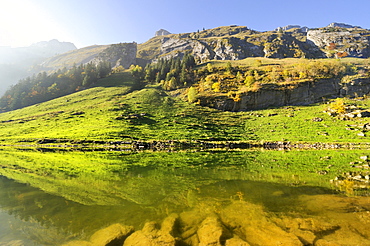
123 54
354 44
341 25
233 48
302 94
289 27
239 42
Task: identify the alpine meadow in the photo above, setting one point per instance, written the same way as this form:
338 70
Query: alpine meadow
223 136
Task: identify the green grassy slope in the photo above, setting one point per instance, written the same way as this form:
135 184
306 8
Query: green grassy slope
119 109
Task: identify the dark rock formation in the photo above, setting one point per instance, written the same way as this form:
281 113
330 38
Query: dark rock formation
302 94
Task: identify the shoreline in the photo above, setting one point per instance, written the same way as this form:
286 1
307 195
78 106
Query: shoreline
138 145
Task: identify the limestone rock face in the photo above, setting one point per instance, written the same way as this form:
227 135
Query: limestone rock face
342 25
219 49
303 94
353 43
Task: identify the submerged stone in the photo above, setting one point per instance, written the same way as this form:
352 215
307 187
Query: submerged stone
210 232
113 235
78 243
152 235
252 223
236 241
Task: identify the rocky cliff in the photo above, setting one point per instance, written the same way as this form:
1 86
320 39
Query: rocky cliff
239 42
302 94
333 42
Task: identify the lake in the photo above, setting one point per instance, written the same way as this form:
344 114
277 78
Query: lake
187 197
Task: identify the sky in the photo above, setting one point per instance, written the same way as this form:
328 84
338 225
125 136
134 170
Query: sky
89 22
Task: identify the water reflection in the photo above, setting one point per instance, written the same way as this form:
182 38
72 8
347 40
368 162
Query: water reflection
52 197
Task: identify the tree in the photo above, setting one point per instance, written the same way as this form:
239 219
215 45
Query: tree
137 72
192 94
229 67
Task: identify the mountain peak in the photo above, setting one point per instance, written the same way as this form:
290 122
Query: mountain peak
162 32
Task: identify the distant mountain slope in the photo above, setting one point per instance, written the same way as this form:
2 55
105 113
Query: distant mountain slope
16 63
77 56
123 54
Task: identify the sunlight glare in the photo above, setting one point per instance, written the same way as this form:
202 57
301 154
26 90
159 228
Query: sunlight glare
22 23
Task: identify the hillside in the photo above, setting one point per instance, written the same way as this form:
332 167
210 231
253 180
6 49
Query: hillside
123 54
199 86
118 109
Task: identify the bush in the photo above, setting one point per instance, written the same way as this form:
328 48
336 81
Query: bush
338 106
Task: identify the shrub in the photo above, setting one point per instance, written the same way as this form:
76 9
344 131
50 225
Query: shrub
338 106
249 81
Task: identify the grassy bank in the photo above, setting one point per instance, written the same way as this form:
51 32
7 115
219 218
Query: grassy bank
117 108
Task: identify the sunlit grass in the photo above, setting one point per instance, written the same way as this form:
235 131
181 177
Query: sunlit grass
119 109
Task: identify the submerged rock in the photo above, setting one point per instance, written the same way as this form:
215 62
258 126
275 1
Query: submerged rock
236 241
112 235
152 235
211 232
251 223
78 243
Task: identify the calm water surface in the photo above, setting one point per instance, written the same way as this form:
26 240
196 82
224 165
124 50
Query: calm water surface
50 198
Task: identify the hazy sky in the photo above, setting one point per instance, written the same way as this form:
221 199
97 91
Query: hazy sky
88 22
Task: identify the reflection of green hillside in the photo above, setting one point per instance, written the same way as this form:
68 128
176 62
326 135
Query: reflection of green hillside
146 178
68 195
